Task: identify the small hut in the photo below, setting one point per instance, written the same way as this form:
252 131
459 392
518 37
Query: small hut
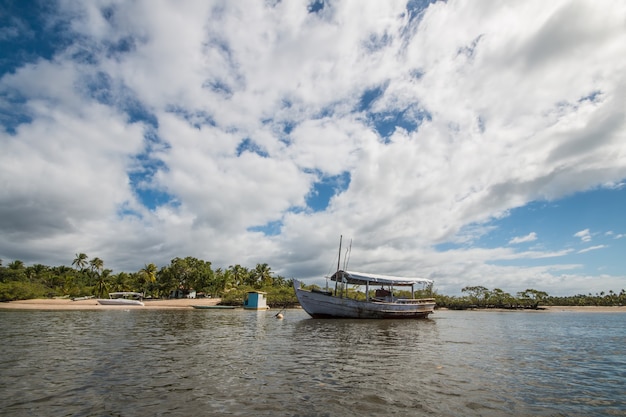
255 300
183 293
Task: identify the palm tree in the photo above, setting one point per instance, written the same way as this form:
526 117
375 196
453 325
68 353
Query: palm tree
16 265
280 281
148 275
227 280
80 261
263 274
120 281
96 264
240 274
102 285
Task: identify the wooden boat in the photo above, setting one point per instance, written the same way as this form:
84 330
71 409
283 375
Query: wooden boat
124 298
383 304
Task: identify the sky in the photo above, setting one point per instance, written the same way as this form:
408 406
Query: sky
472 143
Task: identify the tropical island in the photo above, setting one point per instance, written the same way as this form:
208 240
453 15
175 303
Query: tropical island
87 278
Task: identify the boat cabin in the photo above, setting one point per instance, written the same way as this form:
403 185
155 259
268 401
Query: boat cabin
382 294
255 300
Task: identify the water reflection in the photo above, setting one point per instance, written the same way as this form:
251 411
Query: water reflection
236 362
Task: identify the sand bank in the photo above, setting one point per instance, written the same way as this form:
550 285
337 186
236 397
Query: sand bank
588 309
556 309
92 304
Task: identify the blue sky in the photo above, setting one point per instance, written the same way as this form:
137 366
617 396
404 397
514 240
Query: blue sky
583 229
474 144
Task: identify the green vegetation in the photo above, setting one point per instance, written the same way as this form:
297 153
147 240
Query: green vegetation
88 277
481 297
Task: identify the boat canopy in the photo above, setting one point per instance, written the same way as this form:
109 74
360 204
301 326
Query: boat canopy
125 294
359 278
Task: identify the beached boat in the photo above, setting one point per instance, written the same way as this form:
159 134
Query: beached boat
381 304
125 298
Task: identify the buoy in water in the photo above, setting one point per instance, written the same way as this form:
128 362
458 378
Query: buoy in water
279 316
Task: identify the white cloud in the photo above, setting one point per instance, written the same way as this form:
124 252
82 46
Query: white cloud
584 235
532 236
520 102
591 248
614 235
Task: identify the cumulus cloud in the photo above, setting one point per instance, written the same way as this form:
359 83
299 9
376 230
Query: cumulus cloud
163 130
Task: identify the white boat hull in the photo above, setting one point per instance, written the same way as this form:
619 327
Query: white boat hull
119 302
324 305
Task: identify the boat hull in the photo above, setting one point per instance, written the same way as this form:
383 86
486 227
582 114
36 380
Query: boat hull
324 305
119 302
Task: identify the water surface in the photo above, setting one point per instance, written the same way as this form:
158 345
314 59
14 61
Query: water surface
236 362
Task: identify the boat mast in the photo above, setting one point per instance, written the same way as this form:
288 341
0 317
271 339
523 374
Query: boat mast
338 263
345 268
347 257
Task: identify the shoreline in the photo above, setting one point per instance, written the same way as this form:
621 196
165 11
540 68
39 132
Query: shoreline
551 309
92 304
587 309
188 303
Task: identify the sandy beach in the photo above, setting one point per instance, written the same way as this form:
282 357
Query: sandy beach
92 304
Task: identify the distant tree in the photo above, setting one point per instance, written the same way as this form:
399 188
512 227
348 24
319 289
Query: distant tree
186 274
80 261
500 299
16 265
202 277
531 298
227 280
222 282
14 271
240 274
149 272
102 283
96 264
280 281
148 276
39 273
478 294
261 276
119 282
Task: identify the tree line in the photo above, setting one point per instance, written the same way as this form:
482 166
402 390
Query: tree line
88 277
482 297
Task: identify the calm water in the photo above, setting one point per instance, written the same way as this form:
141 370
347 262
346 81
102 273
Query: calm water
243 363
